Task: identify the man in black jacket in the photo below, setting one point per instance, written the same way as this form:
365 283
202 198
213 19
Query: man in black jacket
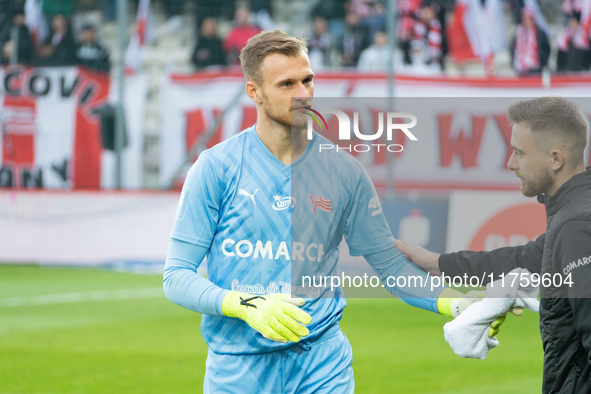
16 36
90 53
208 51
548 140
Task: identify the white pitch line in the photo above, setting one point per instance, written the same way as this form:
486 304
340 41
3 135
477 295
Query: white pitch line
82 297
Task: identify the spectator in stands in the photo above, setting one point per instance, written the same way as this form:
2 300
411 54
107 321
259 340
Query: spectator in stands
18 32
355 40
319 44
530 49
90 53
334 13
376 21
59 49
375 58
208 51
573 46
239 35
88 12
427 30
407 11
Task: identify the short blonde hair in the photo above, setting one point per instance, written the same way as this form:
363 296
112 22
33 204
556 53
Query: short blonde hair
553 120
264 44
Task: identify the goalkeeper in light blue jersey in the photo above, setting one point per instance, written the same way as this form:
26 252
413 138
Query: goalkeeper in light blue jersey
239 209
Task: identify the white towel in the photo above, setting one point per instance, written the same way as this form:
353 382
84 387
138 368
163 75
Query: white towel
467 334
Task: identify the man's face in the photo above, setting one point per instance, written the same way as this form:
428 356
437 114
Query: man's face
87 35
380 39
209 27
242 15
59 23
285 77
532 167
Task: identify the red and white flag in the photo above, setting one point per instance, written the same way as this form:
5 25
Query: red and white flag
52 134
539 17
477 31
586 17
35 21
322 203
134 59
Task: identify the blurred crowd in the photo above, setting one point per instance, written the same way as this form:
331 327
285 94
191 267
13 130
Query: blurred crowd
354 34
65 33
343 33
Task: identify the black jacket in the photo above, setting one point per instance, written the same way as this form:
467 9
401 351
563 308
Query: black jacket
94 56
565 311
64 53
208 52
25 46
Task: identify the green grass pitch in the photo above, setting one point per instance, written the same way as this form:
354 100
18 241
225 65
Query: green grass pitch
145 344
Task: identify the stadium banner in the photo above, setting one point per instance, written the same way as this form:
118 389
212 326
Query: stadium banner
464 143
58 128
483 221
117 229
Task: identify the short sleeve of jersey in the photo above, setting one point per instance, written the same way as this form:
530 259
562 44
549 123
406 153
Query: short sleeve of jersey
366 229
199 205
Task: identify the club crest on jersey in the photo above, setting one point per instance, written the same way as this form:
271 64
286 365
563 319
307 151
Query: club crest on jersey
322 203
281 203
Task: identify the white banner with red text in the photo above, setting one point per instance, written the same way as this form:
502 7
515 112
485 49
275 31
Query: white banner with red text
462 131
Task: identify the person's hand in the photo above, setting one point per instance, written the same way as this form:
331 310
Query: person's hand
428 261
453 303
276 316
46 51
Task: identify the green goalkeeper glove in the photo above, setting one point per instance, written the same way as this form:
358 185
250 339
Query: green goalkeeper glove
273 315
452 303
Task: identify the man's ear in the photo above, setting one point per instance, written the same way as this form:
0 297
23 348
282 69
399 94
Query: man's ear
558 159
253 91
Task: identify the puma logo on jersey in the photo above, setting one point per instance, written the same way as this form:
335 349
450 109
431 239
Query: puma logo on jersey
243 192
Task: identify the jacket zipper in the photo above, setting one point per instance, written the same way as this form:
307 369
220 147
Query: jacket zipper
577 374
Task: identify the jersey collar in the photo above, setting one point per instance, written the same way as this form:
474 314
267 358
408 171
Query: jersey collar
274 161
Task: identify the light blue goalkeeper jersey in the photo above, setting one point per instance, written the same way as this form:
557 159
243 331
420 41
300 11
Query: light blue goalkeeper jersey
257 216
